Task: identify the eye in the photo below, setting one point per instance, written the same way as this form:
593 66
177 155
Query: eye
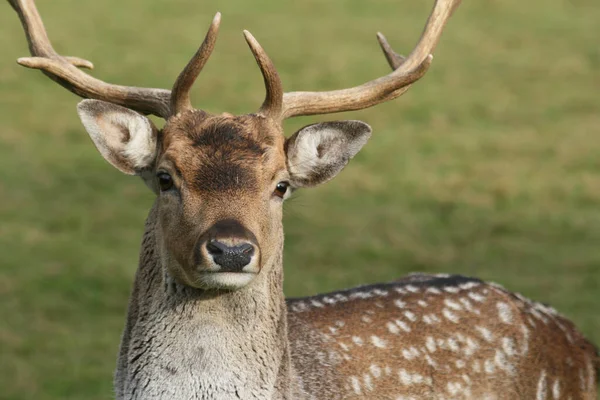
165 181
281 189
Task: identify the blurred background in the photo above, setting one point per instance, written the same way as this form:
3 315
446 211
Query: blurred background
489 166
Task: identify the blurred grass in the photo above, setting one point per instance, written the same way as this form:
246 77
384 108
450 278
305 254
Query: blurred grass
489 166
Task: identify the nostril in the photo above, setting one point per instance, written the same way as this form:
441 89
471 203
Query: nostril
247 249
214 247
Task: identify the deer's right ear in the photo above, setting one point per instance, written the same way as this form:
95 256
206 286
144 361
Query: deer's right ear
125 138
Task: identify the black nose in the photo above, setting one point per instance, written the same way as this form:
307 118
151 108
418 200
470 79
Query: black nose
230 258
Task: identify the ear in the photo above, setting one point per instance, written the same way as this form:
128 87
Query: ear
316 153
125 138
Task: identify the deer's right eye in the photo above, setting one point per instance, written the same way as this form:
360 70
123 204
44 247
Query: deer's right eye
165 181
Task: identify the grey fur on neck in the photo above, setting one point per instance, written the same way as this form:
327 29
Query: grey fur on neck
185 343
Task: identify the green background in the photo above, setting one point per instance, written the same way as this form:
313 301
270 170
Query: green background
489 166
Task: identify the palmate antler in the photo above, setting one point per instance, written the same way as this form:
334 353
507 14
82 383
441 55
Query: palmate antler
277 105
406 71
63 70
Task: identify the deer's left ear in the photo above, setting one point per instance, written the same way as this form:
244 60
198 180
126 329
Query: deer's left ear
316 153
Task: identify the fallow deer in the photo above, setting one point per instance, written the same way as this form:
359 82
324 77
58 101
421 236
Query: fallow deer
207 317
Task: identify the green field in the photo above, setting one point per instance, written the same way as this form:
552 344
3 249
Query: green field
489 166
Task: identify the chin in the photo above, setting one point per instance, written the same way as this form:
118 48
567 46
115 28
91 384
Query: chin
223 280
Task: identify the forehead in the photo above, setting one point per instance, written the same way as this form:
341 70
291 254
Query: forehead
221 153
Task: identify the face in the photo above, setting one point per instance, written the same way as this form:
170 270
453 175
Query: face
221 182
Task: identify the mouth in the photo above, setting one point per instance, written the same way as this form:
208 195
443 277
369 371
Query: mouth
224 280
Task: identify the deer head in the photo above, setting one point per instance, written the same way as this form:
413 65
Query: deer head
221 179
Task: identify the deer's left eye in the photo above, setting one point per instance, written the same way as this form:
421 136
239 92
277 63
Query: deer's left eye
281 189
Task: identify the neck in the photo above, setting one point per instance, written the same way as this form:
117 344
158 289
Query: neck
184 343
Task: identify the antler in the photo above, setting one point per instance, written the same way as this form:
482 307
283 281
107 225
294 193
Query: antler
277 105
180 97
64 71
406 72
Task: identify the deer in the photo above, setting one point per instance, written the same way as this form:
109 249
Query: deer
207 316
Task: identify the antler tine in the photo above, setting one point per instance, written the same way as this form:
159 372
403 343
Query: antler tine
180 95
393 58
64 71
406 71
273 104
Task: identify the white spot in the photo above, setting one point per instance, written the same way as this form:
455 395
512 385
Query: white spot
393 328
453 344
469 306
476 366
340 297
450 315
410 316
409 379
299 307
422 303
471 347
378 342
485 333
411 288
468 285
508 345
399 303
344 346
375 370
451 289
525 345
433 290
460 364
403 325
430 344
400 290
366 319
368 382
453 305
476 297
504 312
380 292
329 300
502 362
355 384
410 353
340 323
388 370
361 295
556 390
591 374
542 390
430 361
488 365
357 340
316 303
454 388
332 330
